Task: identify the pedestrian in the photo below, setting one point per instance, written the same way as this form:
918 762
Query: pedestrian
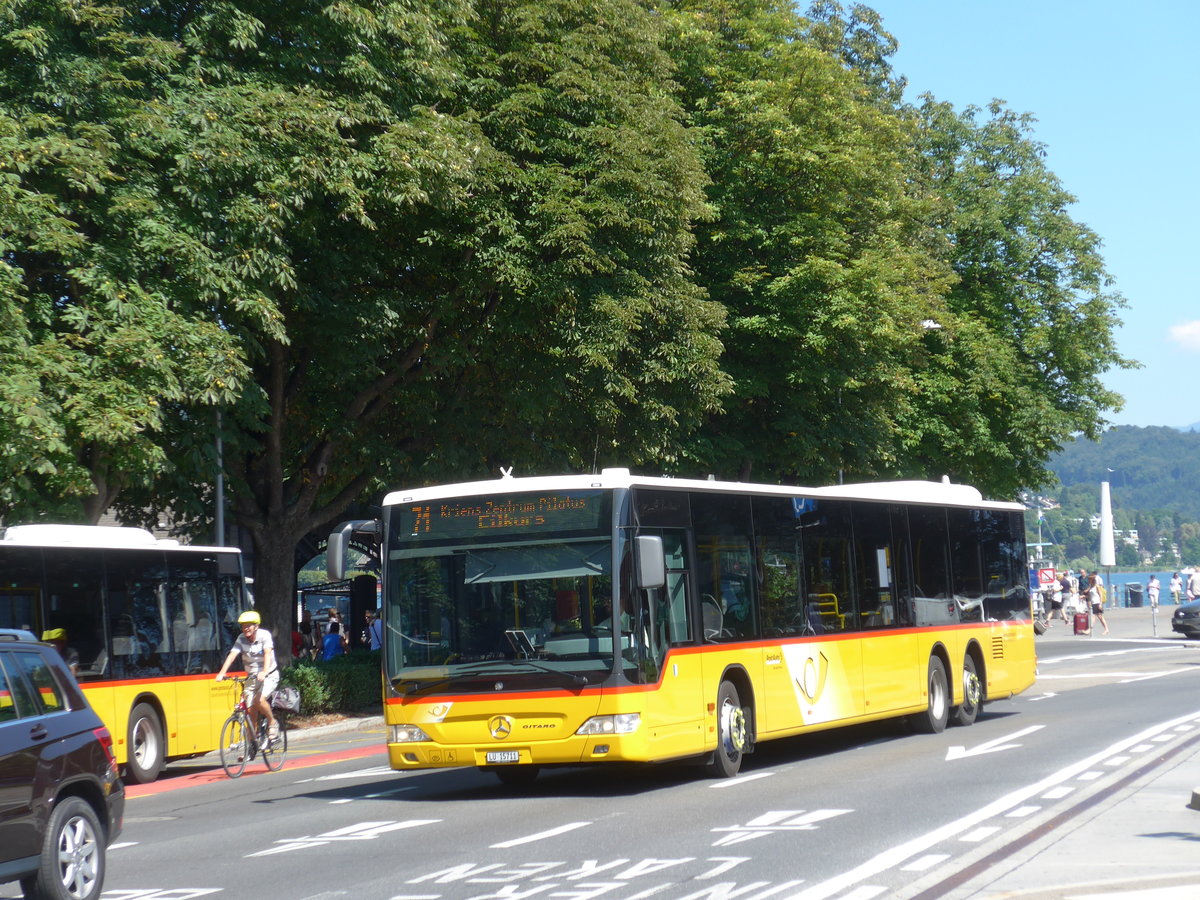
1152 589
334 618
1056 602
1175 586
334 643
374 632
308 634
1194 585
1096 598
1073 590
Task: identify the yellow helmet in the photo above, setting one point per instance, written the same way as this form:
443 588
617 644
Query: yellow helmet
249 617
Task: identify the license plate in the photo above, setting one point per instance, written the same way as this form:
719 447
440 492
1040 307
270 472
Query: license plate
503 756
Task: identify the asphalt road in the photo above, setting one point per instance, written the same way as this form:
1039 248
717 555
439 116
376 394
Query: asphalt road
858 813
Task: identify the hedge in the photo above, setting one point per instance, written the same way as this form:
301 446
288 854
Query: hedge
348 683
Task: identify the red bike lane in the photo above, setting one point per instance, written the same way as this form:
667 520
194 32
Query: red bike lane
210 774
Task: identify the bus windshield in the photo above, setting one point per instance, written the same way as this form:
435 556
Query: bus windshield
470 601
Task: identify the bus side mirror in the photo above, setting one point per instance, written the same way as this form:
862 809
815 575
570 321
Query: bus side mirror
339 542
651 562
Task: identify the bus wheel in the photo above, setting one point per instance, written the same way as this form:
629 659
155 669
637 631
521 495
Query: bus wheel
516 776
145 746
968 712
731 733
933 719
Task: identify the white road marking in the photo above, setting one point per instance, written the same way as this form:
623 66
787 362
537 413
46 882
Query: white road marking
373 772
741 779
928 861
363 831
540 836
774 822
1021 812
372 796
992 746
979 834
160 893
896 856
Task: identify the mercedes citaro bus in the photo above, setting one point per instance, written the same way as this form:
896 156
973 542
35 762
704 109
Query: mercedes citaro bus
547 621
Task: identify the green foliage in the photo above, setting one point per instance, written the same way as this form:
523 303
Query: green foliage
1028 327
821 246
348 683
405 242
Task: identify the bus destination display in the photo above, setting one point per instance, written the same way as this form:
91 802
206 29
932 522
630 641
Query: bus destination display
482 517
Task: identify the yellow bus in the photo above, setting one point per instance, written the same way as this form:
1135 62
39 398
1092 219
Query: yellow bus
148 622
742 613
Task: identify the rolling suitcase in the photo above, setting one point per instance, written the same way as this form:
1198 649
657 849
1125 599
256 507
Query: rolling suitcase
1081 623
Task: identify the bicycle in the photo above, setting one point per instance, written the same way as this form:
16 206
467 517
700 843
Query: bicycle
238 747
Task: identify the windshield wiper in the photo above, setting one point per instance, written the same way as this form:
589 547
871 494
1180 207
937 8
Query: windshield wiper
573 677
412 687
466 671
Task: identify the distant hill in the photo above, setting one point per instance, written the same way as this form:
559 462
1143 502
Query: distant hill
1147 468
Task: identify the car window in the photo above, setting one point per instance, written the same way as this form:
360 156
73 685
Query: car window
8 704
48 696
18 701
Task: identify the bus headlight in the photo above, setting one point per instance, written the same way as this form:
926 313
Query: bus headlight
408 734
623 723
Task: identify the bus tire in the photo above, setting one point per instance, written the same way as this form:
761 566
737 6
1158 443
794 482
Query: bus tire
145 746
968 711
937 713
731 733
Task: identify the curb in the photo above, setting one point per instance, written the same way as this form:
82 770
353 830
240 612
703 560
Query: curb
300 734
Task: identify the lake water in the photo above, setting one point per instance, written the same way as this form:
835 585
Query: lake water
1117 585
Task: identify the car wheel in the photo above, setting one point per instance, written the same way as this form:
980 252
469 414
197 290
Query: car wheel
145 746
72 863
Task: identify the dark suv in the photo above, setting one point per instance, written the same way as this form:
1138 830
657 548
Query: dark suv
61 799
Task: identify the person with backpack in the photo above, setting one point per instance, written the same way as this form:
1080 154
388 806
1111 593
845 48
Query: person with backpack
1096 598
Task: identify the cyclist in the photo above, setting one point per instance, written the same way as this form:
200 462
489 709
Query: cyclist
257 649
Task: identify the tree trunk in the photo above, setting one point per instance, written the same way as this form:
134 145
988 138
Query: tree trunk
275 584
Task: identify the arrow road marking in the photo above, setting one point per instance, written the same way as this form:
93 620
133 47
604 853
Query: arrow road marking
365 831
992 746
774 822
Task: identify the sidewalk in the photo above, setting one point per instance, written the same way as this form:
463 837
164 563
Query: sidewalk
1136 840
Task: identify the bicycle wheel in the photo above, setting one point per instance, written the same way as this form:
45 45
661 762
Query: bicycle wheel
235 745
275 752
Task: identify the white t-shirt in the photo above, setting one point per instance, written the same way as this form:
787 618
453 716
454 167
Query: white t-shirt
253 652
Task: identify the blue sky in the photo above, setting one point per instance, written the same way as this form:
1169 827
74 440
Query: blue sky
1114 87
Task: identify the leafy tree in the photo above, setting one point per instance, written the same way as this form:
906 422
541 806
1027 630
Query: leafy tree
1029 324
819 248
459 238
103 322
